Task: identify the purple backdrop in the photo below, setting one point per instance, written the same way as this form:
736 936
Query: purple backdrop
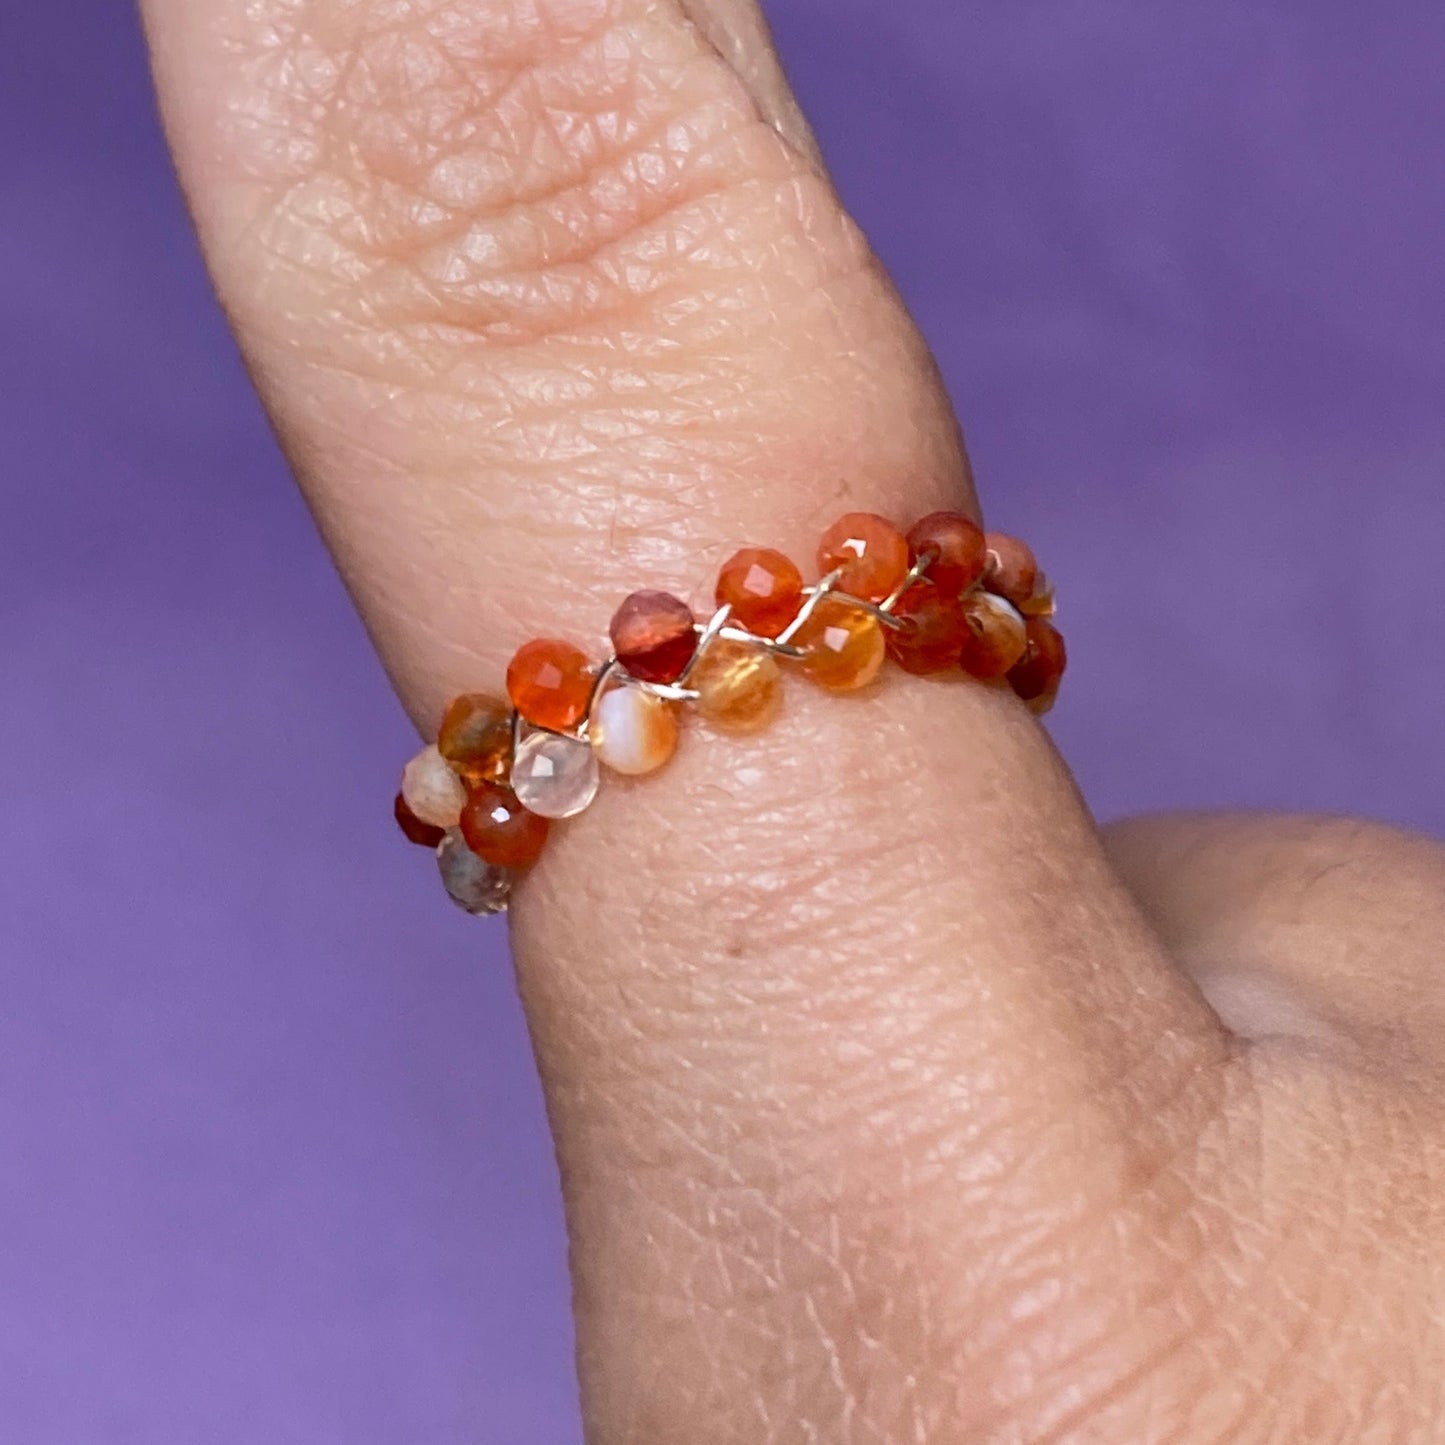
273 1164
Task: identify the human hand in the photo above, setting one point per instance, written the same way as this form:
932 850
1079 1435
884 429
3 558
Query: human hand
893 1104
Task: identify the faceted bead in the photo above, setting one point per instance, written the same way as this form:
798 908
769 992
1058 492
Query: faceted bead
633 731
554 776
432 790
1041 600
1042 666
427 834
498 828
550 684
1012 569
996 638
933 631
872 552
471 882
763 588
739 686
843 646
654 635
476 736
957 545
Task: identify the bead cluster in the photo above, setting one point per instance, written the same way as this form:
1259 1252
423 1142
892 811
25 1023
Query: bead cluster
944 597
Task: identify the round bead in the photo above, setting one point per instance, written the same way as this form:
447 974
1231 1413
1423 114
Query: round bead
633 731
1041 668
412 827
1041 602
843 646
764 589
1012 569
654 635
872 552
739 686
554 776
932 633
957 545
476 736
432 790
995 639
471 882
499 829
550 683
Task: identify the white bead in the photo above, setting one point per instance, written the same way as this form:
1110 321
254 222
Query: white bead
432 790
554 776
633 731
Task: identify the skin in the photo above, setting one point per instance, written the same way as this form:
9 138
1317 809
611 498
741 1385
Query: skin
893 1103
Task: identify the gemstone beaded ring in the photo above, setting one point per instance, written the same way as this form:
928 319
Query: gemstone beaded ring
944 597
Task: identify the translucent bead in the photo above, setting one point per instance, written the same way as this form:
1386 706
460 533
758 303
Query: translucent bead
471 882
996 637
1012 569
428 835
498 828
550 683
1040 670
476 736
872 552
432 790
763 588
843 646
633 731
654 636
554 776
932 631
1041 601
739 686
957 546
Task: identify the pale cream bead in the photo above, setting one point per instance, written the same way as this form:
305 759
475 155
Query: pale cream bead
554 776
633 731
432 790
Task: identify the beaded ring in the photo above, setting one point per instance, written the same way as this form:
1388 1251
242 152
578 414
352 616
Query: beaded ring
943 597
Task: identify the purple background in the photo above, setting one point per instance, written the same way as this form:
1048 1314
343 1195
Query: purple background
273 1164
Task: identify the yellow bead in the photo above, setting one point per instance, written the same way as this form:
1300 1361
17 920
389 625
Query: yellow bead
843 646
738 686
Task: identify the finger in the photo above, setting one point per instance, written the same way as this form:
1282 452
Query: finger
545 312
1317 927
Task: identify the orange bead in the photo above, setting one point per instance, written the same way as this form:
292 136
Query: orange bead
500 830
428 835
654 636
550 683
957 545
476 736
933 631
996 636
739 685
763 588
1012 569
1041 668
843 646
872 552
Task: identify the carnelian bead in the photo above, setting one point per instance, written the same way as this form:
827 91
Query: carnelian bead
500 830
550 684
932 631
428 835
476 736
842 646
1012 568
996 636
1042 666
654 635
959 554
872 552
763 588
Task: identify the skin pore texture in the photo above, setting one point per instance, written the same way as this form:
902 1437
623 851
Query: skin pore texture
893 1103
